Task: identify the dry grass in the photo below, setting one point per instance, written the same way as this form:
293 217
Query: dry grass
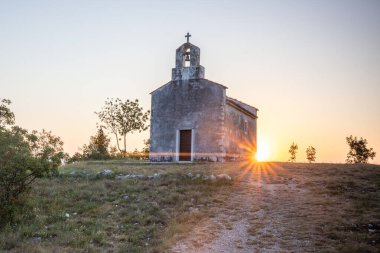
80 211
268 207
339 208
286 207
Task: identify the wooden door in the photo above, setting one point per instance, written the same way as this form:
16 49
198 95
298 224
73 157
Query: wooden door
185 145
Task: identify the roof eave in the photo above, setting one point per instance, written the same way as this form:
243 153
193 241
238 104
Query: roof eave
243 110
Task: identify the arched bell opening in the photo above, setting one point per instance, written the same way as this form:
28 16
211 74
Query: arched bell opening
186 58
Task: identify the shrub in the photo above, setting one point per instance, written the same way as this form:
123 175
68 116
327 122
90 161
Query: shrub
23 158
310 154
97 149
358 153
293 151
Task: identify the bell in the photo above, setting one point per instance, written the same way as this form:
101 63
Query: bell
187 57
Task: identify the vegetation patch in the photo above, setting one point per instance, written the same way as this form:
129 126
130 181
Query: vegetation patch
73 212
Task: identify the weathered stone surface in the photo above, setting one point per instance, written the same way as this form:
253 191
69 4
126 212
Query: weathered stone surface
222 128
192 104
193 70
241 131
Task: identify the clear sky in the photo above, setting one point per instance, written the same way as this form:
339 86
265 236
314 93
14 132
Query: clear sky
311 67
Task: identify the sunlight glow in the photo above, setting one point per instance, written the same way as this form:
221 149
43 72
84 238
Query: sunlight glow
262 151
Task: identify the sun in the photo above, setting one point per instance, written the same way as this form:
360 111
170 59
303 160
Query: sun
262 151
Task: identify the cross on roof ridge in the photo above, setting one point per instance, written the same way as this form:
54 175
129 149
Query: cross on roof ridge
188 35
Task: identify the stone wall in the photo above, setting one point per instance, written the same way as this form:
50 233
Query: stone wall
196 104
240 134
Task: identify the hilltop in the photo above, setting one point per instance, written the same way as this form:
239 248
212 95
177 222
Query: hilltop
121 207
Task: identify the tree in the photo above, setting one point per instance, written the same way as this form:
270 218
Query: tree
114 152
6 115
75 158
47 147
146 148
24 157
293 151
121 118
135 155
98 146
358 153
310 154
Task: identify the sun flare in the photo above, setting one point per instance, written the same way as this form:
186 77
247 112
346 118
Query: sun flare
262 151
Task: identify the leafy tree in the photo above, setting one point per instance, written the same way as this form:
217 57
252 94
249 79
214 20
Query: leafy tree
358 153
24 157
75 158
123 117
293 151
47 147
98 146
146 148
310 154
114 152
135 155
6 115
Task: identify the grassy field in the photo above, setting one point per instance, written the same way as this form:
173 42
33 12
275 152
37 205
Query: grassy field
286 207
330 207
82 210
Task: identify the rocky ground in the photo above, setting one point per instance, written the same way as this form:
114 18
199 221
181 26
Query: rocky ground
113 206
278 209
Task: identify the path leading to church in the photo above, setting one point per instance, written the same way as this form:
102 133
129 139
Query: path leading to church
267 212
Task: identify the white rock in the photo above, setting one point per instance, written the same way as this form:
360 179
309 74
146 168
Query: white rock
193 210
224 176
105 172
212 177
37 238
154 176
121 177
67 215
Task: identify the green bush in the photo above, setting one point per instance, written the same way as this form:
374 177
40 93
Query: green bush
359 153
24 157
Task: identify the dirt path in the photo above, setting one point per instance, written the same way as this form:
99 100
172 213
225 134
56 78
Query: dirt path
262 214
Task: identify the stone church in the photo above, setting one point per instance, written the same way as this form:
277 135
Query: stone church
192 119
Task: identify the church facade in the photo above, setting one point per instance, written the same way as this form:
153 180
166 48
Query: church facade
192 119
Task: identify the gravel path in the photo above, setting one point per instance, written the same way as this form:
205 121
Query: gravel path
253 218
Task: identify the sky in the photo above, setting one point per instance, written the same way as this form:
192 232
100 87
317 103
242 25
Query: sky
312 68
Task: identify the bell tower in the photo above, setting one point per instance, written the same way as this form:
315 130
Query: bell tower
187 62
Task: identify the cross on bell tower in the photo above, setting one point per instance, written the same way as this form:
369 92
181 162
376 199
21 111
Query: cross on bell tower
188 35
187 62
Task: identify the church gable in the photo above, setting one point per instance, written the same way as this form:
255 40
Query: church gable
191 117
196 105
243 107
